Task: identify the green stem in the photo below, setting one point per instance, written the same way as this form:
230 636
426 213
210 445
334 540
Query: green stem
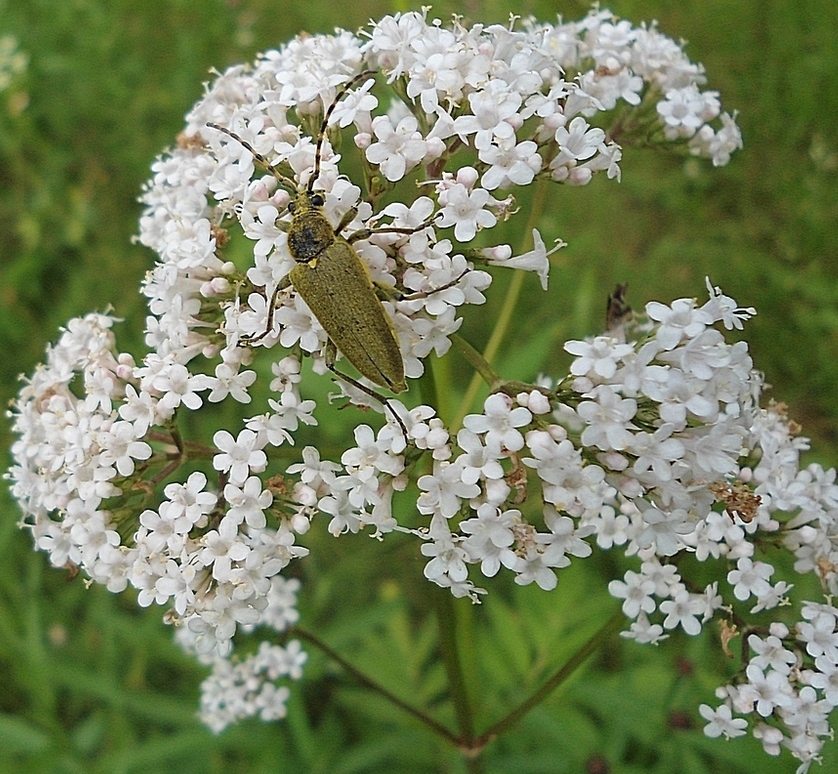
477 361
451 626
428 385
374 686
466 742
511 300
609 628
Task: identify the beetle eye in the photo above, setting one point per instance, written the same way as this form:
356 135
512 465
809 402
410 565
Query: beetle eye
317 200
291 207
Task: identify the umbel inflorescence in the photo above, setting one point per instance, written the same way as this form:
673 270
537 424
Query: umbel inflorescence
654 443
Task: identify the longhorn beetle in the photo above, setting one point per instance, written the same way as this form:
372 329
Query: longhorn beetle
333 280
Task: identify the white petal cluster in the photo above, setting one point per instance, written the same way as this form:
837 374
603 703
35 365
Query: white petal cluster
238 690
790 686
531 102
89 468
653 444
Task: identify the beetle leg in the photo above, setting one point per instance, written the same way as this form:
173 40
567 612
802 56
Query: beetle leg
365 233
283 284
347 218
395 295
331 355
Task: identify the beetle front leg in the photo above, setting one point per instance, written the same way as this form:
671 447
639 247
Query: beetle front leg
347 218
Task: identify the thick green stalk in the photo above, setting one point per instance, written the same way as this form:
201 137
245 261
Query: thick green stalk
454 629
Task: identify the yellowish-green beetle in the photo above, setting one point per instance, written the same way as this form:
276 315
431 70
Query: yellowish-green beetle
334 281
335 284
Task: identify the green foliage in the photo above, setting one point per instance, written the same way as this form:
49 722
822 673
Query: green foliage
92 684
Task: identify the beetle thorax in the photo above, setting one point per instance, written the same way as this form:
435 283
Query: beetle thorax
310 232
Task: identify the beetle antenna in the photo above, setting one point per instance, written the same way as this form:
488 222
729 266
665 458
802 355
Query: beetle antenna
338 97
287 182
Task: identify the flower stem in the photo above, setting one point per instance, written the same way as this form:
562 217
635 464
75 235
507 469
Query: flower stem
453 630
607 630
511 300
450 626
478 362
368 682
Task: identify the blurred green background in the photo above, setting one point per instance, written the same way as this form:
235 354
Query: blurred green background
91 684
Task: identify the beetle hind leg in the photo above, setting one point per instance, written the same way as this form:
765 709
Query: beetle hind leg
331 355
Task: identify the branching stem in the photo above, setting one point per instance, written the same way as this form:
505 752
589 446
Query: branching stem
469 744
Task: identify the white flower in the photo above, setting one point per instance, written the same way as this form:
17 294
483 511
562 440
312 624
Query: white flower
719 145
750 577
509 164
655 452
678 321
177 386
608 418
635 591
240 455
491 111
491 536
139 409
685 110
230 381
248 502
290 410
479 461
767 690
721 721
683 610
465 210
664 531
444 489
298 325
500 422
535 260
223 547
120 447
398 149
263 229
448 558
819 633
722 307
643 631
610 528
598 358
358 101
190 498
578 141
825 678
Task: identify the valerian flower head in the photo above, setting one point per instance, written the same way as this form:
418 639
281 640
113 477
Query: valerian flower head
653 443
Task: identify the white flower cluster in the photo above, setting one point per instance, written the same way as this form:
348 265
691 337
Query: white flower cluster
792 677
247 687
791 680
633 448
235 691
524 103
654 443
209 554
